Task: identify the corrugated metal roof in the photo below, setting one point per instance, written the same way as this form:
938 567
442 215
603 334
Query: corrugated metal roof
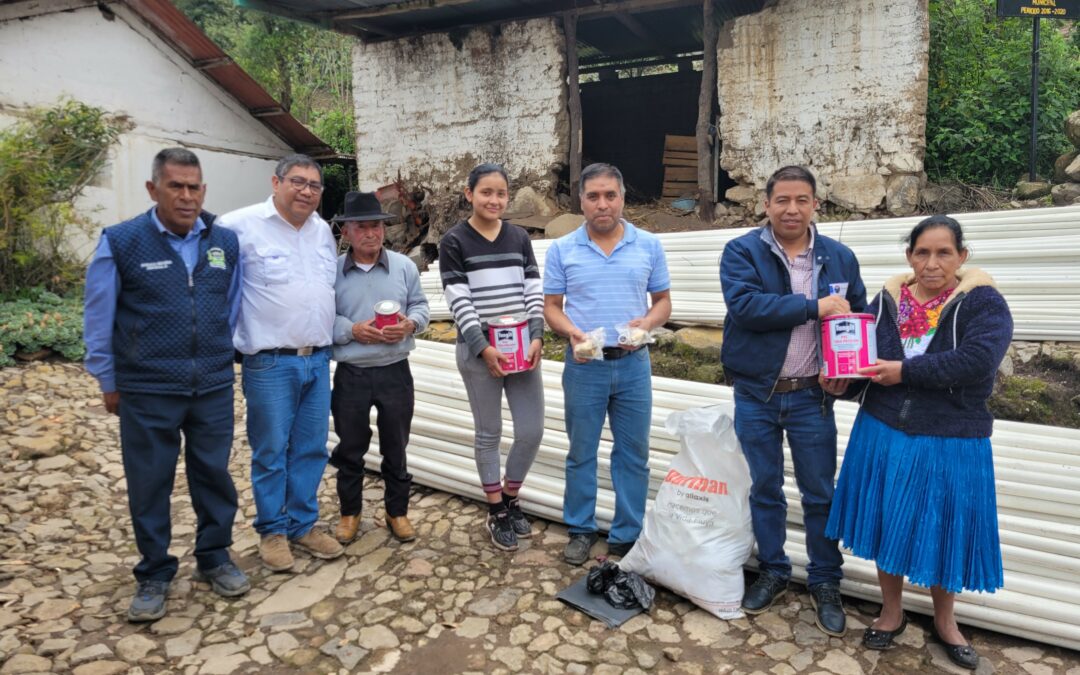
186 38
669 22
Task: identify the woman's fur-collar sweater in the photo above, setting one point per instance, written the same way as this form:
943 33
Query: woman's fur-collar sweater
944 391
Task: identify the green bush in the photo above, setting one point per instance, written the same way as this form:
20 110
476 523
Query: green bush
46 160
41 320
978 118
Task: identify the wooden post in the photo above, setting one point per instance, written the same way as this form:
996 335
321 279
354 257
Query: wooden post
706 201
574 101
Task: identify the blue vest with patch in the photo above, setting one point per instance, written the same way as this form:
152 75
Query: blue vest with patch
171 334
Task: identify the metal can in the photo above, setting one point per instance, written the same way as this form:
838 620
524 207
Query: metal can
509 334
848 342
386 313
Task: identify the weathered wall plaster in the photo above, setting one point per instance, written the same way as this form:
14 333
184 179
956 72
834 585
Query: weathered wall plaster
123 67
433 106
837 85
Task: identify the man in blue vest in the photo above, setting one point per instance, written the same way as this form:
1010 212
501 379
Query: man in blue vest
162 294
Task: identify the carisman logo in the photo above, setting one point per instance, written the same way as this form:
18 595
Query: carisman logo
699 483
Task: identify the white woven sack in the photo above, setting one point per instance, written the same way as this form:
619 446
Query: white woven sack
697 533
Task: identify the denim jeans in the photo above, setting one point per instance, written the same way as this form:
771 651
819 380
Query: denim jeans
288 419
620 390
150 427
808 420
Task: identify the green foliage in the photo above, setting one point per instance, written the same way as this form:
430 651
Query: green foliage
978 111
46 160
41 320
307 69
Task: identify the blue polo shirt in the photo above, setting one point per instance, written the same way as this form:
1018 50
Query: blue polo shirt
605 290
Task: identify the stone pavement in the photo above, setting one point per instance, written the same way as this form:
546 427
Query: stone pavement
446 603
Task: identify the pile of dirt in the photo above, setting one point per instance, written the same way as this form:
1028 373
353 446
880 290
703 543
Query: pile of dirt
1045 390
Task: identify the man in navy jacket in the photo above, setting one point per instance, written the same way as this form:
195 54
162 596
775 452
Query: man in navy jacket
162 294
778 280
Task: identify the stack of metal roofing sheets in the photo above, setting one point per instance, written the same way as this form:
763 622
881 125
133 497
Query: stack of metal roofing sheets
1033 255
1037 470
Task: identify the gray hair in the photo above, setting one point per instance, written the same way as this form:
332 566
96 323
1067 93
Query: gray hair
178 156
289 162
600 170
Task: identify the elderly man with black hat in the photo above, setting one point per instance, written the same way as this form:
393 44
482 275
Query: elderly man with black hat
380 305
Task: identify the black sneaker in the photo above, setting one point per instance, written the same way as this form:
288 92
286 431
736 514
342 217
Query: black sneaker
518 521
226 580
577 549
828 608
763 593
502 531
149 601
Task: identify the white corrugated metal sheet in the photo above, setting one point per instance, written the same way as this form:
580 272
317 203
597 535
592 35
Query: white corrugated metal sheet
1033 255
1037 470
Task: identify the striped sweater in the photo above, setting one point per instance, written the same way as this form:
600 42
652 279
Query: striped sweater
485 279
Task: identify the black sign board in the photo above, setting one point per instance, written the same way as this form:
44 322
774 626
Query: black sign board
1040 9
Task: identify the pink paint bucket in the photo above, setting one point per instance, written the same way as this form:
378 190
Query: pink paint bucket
848 342
509 334
386 313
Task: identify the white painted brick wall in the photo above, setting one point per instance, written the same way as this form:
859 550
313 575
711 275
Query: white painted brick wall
839 85
433 110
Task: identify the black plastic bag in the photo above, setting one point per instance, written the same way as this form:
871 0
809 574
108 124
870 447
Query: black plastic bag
622 590
601 576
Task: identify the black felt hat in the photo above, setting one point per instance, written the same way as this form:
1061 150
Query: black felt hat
361 206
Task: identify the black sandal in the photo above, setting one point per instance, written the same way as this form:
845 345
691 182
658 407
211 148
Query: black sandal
882 640
963 655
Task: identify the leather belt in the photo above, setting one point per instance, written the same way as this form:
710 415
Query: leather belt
615 353
288 351
789 384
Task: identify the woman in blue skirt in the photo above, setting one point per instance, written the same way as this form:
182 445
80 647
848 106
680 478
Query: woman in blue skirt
916 489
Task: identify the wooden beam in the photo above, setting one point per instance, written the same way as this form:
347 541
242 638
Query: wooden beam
607 9
268 112
573 88
403 7
207 64
706 198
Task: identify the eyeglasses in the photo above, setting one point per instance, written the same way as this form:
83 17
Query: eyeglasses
299 184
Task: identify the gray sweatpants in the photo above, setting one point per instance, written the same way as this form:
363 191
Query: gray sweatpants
525 394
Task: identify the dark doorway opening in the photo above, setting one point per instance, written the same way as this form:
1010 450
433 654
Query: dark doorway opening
640 82
625 120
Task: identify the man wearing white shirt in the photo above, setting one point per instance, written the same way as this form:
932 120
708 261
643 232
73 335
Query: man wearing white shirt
284 332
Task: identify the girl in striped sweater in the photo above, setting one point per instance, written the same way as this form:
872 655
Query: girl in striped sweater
489 270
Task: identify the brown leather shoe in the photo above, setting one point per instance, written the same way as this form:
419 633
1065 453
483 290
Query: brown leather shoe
347 528
275 553
320 544
401 528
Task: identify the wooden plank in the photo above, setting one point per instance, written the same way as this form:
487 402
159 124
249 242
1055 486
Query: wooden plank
706 102
680 162
683 143
671 154
681 188
574 103
673 173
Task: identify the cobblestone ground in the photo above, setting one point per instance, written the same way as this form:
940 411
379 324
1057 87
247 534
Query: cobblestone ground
445 603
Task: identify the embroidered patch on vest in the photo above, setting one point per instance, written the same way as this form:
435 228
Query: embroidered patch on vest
216 258
157 265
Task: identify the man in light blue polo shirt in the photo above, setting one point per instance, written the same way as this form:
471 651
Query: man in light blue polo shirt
603 274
